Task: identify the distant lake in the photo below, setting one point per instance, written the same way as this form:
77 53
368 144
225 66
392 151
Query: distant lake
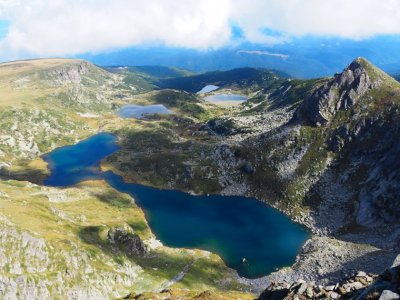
207 89
138 111
227 98
250 236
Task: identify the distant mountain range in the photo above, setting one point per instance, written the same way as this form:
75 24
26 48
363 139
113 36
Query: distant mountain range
305 57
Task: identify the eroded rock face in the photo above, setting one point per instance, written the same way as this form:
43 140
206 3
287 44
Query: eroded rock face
340 93
378 193
71 73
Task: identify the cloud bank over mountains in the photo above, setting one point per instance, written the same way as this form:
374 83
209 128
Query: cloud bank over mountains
64 27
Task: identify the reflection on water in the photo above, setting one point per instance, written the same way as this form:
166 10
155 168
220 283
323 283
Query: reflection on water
138 111
207 89
220 98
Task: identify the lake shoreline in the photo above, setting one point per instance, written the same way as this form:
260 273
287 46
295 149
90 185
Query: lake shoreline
65 163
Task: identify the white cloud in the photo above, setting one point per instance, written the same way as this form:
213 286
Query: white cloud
64 27
345 18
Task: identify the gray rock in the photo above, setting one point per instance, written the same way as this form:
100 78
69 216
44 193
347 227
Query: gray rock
310 292
302 289
388 295
353 286
361 274
329 288
334 295
248 168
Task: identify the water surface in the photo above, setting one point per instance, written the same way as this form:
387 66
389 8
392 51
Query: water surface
250 236
224 98
207 89
138 111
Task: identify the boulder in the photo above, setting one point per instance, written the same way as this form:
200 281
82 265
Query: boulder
389 295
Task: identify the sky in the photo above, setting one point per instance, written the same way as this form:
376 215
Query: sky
41 28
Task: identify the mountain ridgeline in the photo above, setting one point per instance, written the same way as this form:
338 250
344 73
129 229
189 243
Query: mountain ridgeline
243 78
157 77
324 151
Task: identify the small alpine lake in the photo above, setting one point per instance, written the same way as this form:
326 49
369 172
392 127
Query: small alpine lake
250 236
139 111
226 99
207 89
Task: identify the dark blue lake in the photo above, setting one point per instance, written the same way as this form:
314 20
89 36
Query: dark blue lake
250 236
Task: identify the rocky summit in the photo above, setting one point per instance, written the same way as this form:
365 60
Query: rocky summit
322 151
341 92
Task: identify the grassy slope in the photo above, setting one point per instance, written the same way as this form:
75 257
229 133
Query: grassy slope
75 221
146 78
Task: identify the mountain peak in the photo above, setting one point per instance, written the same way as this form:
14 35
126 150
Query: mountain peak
362 65
342 91
361 61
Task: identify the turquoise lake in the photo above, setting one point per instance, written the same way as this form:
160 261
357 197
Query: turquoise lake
250 236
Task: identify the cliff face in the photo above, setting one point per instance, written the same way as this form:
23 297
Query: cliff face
359 114
71 74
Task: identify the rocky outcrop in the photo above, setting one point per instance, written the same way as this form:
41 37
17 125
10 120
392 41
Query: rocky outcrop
221 127
340 93
70 73
129 241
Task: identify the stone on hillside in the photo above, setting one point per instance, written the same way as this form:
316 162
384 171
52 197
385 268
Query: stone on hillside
389 295
334 295
330 288
353 286
361 274
248 168
302 288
